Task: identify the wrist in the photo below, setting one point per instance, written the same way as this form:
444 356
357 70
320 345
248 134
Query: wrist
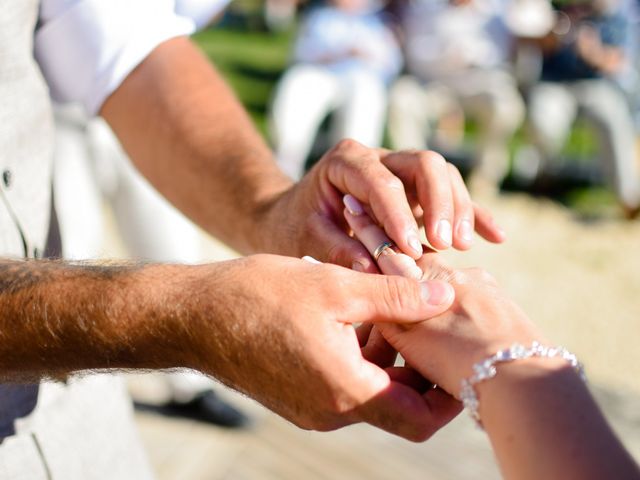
273 228
532 362
164 325
266 216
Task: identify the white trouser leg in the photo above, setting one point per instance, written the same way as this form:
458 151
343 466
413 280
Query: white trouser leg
409 115
552 110
303 98
361 116
493 99
608 110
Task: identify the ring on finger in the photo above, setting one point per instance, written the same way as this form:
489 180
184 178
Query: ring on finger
381 248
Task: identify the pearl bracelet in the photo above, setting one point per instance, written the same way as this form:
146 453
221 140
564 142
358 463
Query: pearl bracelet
486 370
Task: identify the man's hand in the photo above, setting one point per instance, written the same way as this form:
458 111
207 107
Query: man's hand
284 336
278 329
190 137
397 188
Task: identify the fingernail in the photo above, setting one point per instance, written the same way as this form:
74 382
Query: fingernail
498 228
358 266
466 231
414 242
436 292
444 231
416 272
353 205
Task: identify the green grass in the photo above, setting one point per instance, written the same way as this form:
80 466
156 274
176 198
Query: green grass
251 62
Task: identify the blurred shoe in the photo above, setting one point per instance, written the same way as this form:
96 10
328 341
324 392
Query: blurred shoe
631 213
208 407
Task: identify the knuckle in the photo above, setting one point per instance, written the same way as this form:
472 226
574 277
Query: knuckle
480 275
430 159
348 144
362 164
454 171
341 405
460 277
397 295
335 254
390 182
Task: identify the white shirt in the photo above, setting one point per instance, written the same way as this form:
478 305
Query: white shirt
443 39
86 48
331 32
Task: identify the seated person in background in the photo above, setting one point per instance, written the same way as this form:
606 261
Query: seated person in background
581 55
343 59
526 393
457 58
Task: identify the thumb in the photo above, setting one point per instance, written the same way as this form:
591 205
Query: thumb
391 298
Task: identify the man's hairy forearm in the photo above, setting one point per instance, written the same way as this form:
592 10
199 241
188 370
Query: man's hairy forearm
57 318
188 134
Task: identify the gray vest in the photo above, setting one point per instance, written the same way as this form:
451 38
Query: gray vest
26 152
26 134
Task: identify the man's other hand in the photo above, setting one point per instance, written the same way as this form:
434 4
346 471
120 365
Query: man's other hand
400 190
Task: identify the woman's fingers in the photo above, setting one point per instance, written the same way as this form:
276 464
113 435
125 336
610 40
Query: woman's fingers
379 245
354 168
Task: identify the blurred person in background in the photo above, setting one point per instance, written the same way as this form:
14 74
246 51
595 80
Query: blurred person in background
280 15
457 60
343 60
91 167
582 55
629 77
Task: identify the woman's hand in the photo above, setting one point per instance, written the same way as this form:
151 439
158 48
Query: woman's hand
532 410
481 320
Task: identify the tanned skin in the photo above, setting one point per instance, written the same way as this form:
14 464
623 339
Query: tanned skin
279 329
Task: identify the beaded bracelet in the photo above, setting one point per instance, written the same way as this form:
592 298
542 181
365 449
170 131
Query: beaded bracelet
486 370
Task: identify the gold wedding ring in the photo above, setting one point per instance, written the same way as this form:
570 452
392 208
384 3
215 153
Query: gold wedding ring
381 248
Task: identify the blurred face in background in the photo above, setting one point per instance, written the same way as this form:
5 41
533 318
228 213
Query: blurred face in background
460 3
352 6
582 8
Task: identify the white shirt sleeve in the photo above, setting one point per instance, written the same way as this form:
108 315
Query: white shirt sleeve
86 48
202 12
